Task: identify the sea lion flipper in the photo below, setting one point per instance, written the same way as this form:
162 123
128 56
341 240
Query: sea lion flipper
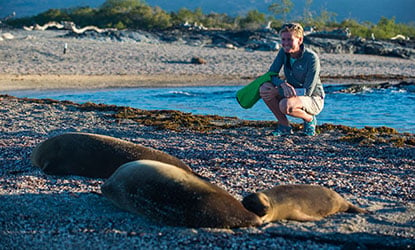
300 216
355 209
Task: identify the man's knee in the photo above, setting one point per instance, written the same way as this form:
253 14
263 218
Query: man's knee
289 105
283 105
265 87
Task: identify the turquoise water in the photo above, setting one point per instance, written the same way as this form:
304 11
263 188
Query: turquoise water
384 107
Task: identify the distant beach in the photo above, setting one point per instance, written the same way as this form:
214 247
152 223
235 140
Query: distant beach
35 60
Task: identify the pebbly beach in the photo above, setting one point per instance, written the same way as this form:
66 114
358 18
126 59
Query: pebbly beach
36 60
372 168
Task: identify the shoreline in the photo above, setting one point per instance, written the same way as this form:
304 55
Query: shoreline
55 82
67 83
16 82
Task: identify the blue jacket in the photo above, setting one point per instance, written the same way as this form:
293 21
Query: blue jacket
303 73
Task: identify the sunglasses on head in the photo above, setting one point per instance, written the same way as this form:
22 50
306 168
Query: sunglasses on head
290 26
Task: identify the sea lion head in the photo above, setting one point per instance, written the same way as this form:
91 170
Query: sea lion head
257 203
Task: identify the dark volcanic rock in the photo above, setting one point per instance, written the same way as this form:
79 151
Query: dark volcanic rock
361 46
355 88
265 39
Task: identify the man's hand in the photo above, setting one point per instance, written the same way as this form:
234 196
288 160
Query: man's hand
268 92
288 89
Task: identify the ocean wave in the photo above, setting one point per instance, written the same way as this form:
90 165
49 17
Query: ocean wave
177 93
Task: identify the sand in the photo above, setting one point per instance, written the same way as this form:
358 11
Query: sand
35 60
39 211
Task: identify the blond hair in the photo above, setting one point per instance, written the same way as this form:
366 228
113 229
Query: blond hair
296 28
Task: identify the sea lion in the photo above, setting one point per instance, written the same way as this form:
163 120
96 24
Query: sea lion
169 195
93 155
297 202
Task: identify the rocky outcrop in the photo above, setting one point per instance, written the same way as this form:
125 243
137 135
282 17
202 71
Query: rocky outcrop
357 88
337 41
6 36
256 40
362 46
342 34
266 40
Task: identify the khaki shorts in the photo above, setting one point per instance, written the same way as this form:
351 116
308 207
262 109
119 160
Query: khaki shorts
312 104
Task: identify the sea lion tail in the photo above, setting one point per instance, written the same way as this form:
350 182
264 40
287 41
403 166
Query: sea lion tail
355 209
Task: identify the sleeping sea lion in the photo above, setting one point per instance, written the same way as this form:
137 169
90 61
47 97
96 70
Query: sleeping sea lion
93 155
297 202
169 195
